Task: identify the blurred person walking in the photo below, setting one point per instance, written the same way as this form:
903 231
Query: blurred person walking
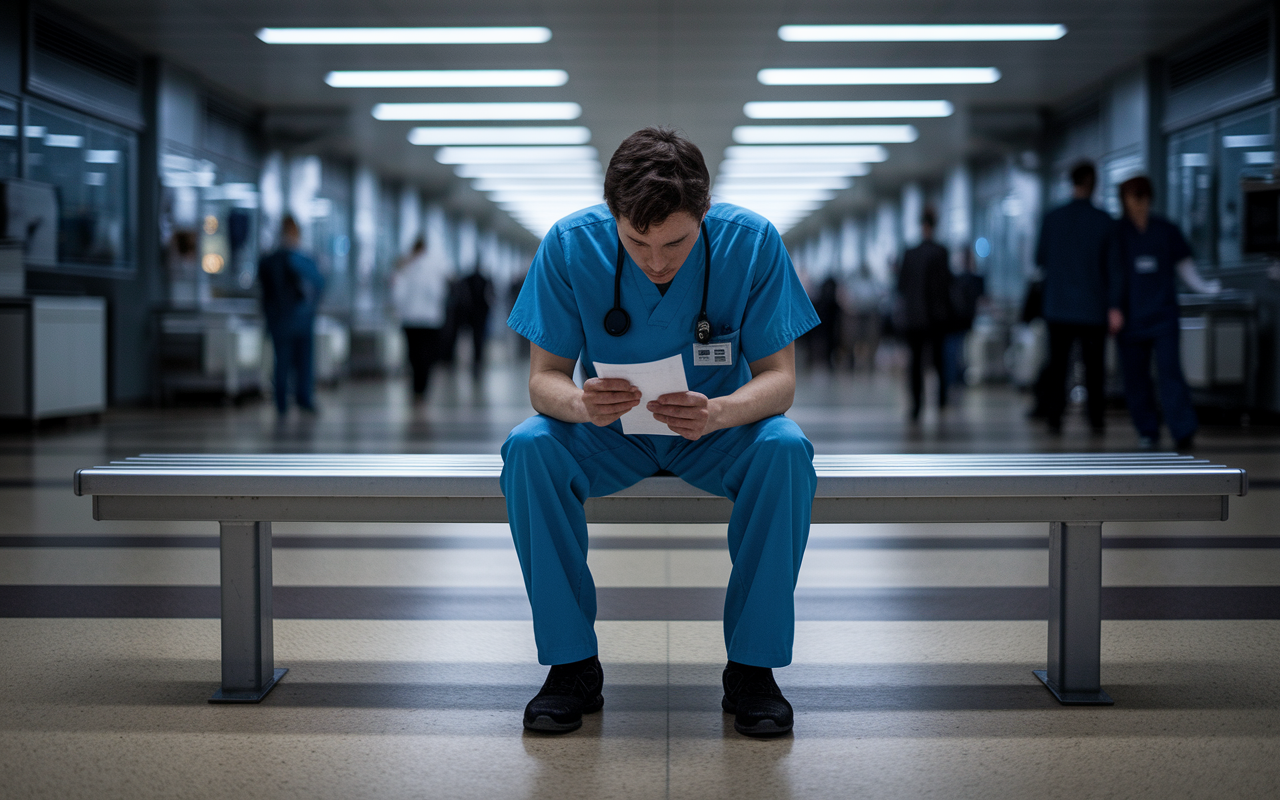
1146 256
291 288
419 292
925 314
1072 254
475 299
967 291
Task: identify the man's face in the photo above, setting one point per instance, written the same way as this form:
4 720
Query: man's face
661 250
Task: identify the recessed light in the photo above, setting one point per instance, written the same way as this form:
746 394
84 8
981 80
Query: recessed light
488 136
514 155
921 33
824 134
827 154
847 109
877 76
445 78
404 35
476 111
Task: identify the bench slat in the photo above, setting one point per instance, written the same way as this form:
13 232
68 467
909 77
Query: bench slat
896 475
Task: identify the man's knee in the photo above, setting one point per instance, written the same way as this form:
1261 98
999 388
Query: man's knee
531 436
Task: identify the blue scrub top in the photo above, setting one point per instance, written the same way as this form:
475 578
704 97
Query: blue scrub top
755 300
1144 284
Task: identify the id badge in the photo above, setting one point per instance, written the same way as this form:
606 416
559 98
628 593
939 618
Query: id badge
1145 265
715 354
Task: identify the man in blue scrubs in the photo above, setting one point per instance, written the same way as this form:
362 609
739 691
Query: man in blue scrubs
1147 252
291 288
728 432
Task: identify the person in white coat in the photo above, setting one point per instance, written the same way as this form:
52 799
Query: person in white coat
419 291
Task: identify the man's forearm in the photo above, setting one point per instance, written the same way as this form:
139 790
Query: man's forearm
555 395
769 393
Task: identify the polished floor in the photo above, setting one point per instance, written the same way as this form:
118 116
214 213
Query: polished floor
411 654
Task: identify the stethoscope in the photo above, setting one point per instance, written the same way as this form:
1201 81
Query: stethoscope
618 321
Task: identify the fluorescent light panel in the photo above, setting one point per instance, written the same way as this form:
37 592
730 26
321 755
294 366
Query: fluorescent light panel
576 169
879 76
476 111
822 153
921 33
535 184
847 109
514 155
505 35
744 169
499 136
445 78
779 183
824 134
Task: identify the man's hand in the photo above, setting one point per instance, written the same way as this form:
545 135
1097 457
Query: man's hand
1115 320
607 399
686 413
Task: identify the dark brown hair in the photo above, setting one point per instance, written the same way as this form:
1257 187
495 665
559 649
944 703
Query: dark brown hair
654 173
929 217
1139 187
1084 174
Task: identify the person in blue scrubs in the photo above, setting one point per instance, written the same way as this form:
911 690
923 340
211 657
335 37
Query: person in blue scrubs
651 246
291 288
1147 253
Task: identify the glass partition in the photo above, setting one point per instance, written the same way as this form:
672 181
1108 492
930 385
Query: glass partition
9 149
90 165
1247 151
1191 189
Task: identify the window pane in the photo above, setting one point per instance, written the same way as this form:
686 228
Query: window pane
8 138
89 165
1247 151
1191 189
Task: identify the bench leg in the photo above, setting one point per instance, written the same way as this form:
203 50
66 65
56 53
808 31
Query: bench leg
1075 614
248 656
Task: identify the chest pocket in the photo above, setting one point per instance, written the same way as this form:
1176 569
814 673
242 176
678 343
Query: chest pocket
721 351
1145 265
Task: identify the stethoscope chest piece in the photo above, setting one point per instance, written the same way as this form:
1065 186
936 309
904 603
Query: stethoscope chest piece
617 321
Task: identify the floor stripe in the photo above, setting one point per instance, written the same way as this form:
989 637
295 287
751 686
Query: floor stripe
651 542
381 603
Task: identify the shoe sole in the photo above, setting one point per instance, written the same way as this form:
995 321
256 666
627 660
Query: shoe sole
544 724
763 728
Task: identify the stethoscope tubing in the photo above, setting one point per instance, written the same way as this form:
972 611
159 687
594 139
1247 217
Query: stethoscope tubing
617 321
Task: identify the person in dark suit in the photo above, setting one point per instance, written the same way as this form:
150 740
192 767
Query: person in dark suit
291 287
924 290
1072 252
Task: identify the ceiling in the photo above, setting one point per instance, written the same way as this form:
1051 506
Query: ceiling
691 64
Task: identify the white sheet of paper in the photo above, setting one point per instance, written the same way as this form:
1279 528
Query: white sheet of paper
653 379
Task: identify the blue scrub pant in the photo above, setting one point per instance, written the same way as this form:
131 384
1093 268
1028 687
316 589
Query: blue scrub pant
294 354
551 467
1175 396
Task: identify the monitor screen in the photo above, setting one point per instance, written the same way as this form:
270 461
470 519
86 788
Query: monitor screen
1261 223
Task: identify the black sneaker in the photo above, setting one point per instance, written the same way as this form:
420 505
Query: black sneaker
1185 444
753 697
570 691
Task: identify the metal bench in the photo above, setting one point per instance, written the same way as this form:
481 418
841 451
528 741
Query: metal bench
1074 493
